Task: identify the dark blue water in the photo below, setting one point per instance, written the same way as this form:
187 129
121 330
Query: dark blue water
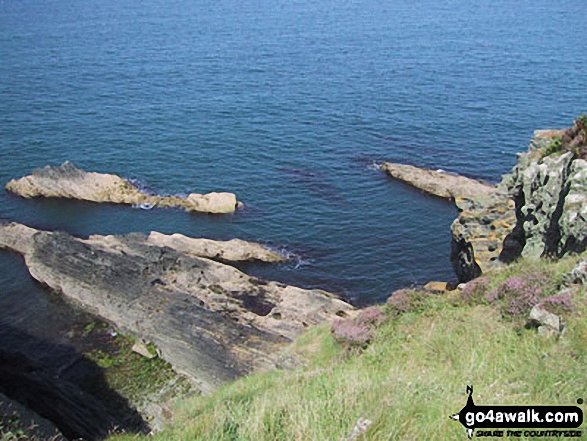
288 104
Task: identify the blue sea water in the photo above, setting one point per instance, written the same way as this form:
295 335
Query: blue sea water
289 104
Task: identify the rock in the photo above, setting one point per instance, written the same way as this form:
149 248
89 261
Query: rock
578 275
542 187
573 219
17 418
436 286
233 250
359 430
74 412
538 210
479 233
548 324
68 181
437 183
209 320
141 348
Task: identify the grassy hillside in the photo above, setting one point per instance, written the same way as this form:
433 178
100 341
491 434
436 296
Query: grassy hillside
411 375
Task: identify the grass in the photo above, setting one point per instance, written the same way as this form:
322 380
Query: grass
130 374
407 381
573 139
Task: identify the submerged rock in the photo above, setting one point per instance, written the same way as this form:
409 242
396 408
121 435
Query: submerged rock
68 181
208 319
437 183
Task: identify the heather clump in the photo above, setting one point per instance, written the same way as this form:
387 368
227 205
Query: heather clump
357 332
406 300
351 334
474 292
560 303
573 139
518 294
372 315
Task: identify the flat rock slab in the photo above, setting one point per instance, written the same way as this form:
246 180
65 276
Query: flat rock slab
232 250
68 181
436 182
209 320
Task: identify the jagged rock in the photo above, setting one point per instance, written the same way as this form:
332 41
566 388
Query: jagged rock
548 324
541 184
209 320
68 181
479 233
437 183
538 210
233 250
578 275
573 220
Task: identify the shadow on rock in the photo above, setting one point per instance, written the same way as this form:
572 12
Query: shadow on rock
67 389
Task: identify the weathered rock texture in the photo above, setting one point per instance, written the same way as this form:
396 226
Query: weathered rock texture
209 320
437 183
538 210
231 250
68 181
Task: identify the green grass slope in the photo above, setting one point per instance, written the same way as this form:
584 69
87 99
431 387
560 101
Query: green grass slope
412 374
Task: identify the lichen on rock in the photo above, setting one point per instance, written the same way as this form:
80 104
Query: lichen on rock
538 210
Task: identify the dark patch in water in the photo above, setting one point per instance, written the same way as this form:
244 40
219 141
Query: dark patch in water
316 183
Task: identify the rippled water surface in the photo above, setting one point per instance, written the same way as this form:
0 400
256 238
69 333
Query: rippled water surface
289 104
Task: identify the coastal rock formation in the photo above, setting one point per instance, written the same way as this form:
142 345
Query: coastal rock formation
437 183
68 181
538 210
231 250
479 233
209 320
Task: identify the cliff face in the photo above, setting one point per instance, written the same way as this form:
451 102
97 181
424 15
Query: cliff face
538 210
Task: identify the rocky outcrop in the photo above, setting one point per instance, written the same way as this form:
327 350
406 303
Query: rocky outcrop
208 319
479 233
232 250
538 210
437 182
68 181
578 275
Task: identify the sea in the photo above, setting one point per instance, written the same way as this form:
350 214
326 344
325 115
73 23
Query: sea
292 105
